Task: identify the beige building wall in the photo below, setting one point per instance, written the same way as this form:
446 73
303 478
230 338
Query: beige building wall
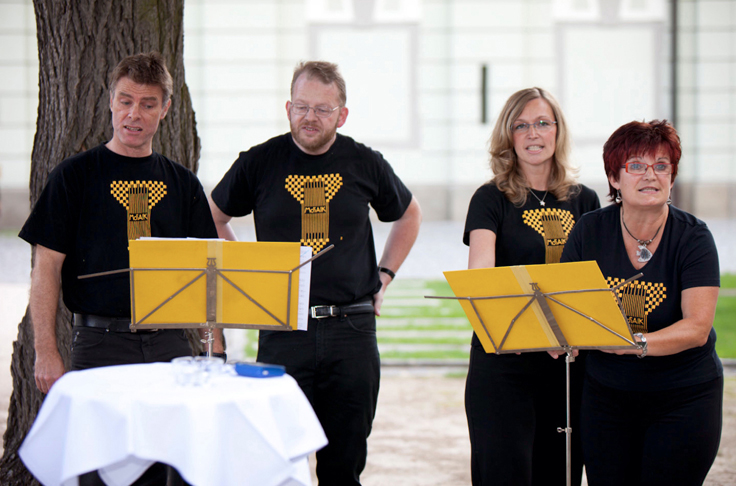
416 89
18 106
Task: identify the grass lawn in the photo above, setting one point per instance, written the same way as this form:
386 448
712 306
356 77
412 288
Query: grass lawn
725 322
412 327
439 317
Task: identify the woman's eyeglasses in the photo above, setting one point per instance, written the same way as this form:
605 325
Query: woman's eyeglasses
541 126
640 168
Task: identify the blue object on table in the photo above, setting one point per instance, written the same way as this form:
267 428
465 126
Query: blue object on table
259 370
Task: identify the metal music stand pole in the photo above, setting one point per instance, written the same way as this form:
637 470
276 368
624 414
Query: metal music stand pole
569 358
211 273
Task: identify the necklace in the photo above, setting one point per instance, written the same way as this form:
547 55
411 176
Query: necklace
644 254
541 201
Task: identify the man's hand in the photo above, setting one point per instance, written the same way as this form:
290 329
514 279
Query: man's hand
401 238
48 368
378 296
45 285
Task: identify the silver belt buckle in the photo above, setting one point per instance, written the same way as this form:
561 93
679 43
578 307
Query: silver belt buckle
314 311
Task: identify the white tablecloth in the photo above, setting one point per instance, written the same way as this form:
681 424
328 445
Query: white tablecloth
121 419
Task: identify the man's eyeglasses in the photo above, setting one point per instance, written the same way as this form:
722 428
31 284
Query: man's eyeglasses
541 126
320 111
640 168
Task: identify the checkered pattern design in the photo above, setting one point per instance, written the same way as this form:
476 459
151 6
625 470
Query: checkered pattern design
120 189
315 226
295 185
534 217
655 292
315 243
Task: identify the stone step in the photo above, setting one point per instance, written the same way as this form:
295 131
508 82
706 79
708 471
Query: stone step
410 301
408 348
385 322
388 333
393 294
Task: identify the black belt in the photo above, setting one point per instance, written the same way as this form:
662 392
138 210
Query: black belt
322 311
114 324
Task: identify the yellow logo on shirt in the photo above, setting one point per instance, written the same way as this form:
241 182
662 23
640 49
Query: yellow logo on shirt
314 194
638 300
554 225
138 198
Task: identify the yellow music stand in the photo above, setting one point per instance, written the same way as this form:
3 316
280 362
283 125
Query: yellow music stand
211 283
553 307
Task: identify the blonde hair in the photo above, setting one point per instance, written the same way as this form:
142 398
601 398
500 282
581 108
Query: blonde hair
506 173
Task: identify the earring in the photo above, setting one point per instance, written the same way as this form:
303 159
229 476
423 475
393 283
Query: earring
669 199
618 196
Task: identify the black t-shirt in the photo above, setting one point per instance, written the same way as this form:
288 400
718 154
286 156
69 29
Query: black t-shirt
685 258
318 200
527 235
531 234
94 202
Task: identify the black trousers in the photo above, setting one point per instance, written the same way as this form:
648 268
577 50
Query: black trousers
94 348
668 437
337 366
514 405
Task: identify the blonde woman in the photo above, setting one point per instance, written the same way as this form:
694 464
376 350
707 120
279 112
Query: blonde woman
514 403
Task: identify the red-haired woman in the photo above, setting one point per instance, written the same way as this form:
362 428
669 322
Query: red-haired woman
651 415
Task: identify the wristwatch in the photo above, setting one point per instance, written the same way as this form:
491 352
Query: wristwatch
388 272
642 344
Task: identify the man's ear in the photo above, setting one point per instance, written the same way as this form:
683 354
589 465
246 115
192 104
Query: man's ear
166 109
343 116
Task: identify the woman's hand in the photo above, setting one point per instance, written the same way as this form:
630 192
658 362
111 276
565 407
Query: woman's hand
621 352
557 353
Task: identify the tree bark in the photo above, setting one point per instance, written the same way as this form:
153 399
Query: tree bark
79 44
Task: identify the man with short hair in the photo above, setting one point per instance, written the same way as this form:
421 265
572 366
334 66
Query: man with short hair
315 186
92 204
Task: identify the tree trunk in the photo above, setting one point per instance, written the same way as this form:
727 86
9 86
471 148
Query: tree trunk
79 44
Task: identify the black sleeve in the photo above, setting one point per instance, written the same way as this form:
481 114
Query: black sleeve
699 265
233 194
52 221
393 196
484 212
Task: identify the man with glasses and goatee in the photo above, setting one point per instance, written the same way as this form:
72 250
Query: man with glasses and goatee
315 186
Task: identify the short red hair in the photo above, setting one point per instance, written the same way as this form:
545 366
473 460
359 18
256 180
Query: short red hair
639 138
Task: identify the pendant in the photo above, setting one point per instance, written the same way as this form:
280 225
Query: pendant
644 254
542 203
